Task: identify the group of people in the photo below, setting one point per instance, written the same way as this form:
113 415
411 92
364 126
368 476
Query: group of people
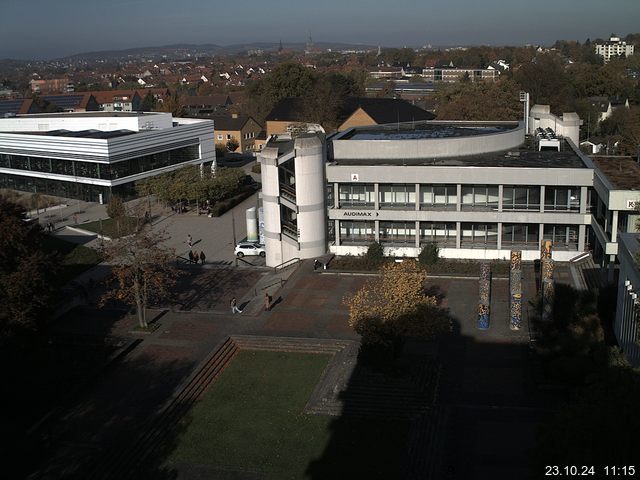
195 257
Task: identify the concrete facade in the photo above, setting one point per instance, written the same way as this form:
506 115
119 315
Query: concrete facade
471 187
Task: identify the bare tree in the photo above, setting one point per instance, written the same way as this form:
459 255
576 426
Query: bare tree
142 271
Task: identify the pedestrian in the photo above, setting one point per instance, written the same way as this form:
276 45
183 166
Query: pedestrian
191 256
234 306
267 302
189 241
316 264
202 257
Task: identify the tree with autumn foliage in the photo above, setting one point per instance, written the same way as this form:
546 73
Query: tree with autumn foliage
27 272
142 271
395 305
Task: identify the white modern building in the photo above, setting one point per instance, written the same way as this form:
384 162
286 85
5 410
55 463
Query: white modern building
92 156
614 48
477 189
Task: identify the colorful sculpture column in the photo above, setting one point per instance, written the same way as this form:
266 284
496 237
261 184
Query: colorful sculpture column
515 290
548 292
485 296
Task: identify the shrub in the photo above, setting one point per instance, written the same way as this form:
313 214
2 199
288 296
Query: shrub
375 253
429 254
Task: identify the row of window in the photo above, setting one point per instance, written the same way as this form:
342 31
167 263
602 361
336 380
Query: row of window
484 235
61 188
112 171
445 197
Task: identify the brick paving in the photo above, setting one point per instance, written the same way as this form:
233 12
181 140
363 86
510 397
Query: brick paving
483 369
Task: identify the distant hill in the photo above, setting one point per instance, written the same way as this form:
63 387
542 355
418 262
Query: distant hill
181 50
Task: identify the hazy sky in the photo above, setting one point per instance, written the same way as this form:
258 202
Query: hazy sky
55 28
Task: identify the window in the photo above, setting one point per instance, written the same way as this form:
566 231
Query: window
563 237
398 233
228 136
520 235
219 136
479 197
397 196
479 235
438 197
520 198
444 234
356 195
356 233
562 199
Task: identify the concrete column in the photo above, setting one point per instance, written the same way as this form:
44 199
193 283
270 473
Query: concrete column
268 159
337 230
458 197
614 227
500 192
310 196
582 232
336 195
540 235
417 196
541 198
499 235
458 234
376 230
417 234
583 199
376 197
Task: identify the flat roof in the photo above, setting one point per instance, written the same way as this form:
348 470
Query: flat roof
99 134
89 114
423 130
622 172
523 157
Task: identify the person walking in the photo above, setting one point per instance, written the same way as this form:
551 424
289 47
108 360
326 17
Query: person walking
234 306
267 302
189 241
191 256
202 257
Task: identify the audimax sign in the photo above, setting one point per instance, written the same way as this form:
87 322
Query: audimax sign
360 214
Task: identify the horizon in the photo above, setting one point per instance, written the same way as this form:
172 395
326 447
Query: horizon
72 27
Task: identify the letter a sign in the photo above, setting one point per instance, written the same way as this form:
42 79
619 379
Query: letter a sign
355 177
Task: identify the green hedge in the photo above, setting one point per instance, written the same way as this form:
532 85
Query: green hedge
222 206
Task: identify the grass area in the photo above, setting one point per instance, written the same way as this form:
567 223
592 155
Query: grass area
251 419
75 258
111 228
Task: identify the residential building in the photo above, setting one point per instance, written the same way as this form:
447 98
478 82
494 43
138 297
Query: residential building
69 102
606 106
356 111
118 100
202 106
614 48
243 128
94 155
451 74
52 85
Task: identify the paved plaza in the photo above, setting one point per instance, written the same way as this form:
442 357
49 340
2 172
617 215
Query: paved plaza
487 406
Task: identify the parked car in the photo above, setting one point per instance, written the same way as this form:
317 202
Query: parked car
249 248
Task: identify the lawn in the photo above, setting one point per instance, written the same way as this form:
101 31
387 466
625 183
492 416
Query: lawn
252 419
75 258
112 229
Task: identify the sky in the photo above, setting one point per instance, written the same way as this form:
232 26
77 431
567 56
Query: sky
46 29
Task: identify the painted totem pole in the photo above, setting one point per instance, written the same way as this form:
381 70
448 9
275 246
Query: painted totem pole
484 290
515 290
